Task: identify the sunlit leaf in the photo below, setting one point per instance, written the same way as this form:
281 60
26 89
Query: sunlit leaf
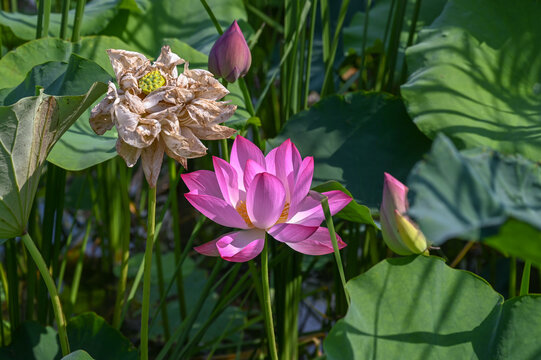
419 308
476 76
354 139
78 355
98 14
472 194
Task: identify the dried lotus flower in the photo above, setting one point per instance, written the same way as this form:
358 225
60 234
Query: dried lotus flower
157 110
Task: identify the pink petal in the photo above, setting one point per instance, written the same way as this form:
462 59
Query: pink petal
310 213
250 171
242 150
241 246
285 163
291 232
227 180
218 210
208 249
319 243
265 200
302 184
394 195
202 182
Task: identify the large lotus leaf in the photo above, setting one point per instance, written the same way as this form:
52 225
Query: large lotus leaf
98 14
469 195
185 20
476 76
377 23
419 308
78 355
93 334
354 139
28 130
32 341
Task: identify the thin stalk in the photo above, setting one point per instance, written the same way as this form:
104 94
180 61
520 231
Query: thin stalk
13 6
13 283
79 266
462 253
212 17
176 235
327 81
60 186
44 14
266 305
151 222
411 37
265 18
125 249
365 33
513 277
161 287
309 55
65 19
394 42
330 226
326 31
78 21
247 96
525 283
55 299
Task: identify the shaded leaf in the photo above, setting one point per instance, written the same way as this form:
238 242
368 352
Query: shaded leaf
32 341
354 139
419 308
476 76
471 194
93 334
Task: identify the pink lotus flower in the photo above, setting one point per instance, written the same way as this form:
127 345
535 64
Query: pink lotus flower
230 56
400 233
262 194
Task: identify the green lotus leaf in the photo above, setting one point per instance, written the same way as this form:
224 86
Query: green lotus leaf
475 75
478 195
419 308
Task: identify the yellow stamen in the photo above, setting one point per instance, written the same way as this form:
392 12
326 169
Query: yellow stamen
241 209
151 82
283 216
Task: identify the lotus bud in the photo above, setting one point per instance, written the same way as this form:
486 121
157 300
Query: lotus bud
400 233
230 56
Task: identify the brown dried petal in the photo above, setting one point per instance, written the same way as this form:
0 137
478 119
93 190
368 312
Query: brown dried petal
168 61
207 112
181 141
134 102
129 83
126 61
152 157
177 95
129 153
145 131
213 132
101 118
205 85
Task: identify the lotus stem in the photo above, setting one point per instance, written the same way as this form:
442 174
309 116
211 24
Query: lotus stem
55 299
267 308
151 222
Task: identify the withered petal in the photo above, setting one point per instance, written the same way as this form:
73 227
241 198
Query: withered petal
213 132
168 61
206 111
130 154
101 116
126 61
152 158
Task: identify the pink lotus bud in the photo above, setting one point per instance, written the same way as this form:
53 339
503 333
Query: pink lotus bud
230 56
400 233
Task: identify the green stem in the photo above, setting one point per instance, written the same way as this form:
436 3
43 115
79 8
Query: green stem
161 287
525 283
151 222
176 234
267 307
55 299
65 19
78 21
332 232
212 17
13 6
309 55
79 266
44 13
365 32
513 277
13 284
247 97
